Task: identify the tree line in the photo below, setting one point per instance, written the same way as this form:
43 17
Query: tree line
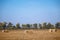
5 25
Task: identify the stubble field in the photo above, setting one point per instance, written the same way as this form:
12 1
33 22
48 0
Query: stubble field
32 35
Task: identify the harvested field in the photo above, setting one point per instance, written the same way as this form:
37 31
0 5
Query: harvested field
36 35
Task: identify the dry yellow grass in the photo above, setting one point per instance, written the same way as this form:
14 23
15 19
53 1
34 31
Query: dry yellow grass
36 35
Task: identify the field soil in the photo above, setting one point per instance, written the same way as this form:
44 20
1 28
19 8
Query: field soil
33 35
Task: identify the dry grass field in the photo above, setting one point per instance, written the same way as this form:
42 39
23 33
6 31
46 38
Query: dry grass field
35 35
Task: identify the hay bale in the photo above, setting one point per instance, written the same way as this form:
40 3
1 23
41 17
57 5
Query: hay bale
50 30
54 30
3 30
25 31
6 31
28 31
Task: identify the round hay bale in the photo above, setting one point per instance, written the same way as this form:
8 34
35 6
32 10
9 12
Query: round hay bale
3 30
28 31
50 30
25 31
54 30
6 31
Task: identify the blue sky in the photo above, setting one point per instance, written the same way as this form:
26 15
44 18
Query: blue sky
30 11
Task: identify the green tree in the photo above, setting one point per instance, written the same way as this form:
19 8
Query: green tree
4 25
57 25
28 26
35 25
18 26
40 26
24 26
53 27
13 27
10 26
44 25
49 25
1 26
31 26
